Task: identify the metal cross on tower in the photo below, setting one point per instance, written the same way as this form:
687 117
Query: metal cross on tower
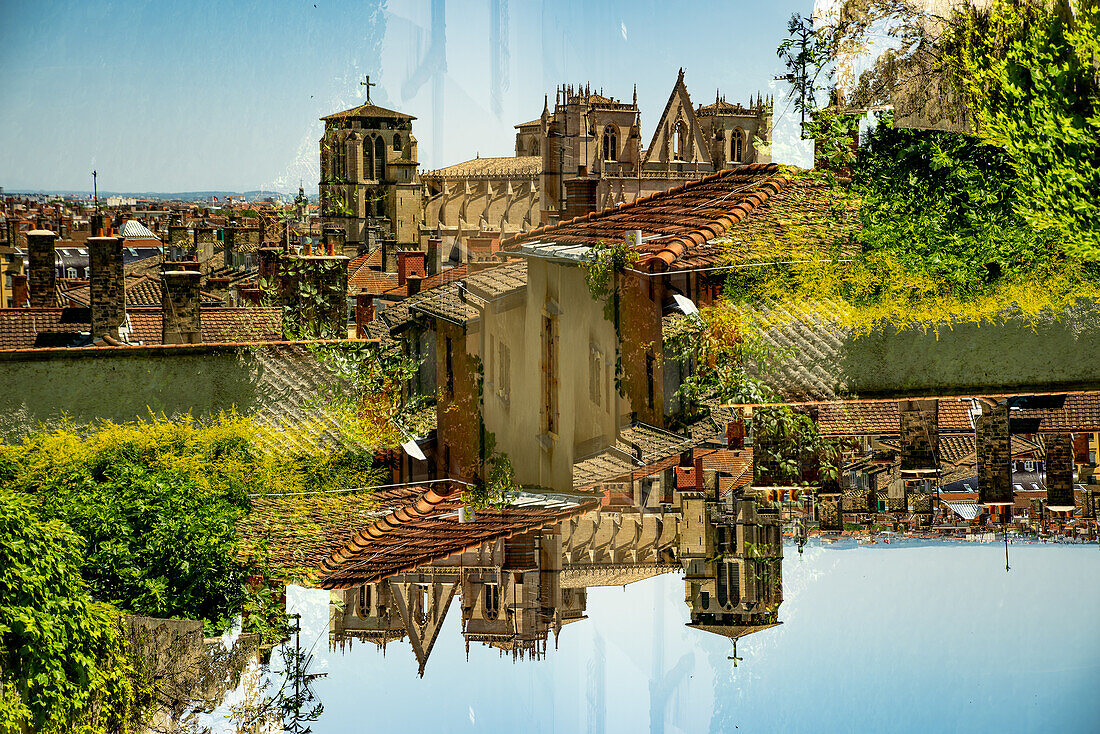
368 85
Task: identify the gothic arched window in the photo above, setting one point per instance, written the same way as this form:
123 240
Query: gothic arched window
397 143
491 601
610 144
535 146
736 142
364 600
679 141
368 159
379 159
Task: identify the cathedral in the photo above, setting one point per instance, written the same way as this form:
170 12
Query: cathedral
584 155
587 154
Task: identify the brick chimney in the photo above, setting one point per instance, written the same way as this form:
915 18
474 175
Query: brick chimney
43 268
108 286
410 262
180 305
735 434
20 291
364 313
251 296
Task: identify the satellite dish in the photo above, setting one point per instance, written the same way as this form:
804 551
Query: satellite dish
685 304
413 450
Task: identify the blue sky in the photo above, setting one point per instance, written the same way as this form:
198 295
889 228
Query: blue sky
224 95
885 639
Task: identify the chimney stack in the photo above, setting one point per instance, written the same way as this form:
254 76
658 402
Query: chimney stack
364 313
409 262
43 268
414 283
203 247
229 244
177 241
108 286
20 291
181 312
435 248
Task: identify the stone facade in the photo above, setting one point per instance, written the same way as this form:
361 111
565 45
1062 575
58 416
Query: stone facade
180 304
586 155
108 286
43 272
369 182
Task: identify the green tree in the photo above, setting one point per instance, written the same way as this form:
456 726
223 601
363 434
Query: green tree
64 659
1027 71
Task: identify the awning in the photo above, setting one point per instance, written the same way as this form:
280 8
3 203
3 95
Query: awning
965 510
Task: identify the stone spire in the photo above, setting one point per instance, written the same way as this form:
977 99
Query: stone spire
635 95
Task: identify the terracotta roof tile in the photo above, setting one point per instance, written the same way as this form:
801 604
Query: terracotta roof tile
423 529
684 218
19 327
520 166
880 418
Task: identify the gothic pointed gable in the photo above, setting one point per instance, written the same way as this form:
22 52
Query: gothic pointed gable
678 111
422 611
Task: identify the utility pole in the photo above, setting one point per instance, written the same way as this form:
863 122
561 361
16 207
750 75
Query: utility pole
95 192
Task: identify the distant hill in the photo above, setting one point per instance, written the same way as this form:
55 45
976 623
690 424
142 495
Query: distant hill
255 195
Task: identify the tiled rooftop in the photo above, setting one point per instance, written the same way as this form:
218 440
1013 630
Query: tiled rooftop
141 291
510 167
1080 412
438 535
677 225
368 110
880 418
19 327
498 281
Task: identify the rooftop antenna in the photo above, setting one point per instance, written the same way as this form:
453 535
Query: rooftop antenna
95 191
368 85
